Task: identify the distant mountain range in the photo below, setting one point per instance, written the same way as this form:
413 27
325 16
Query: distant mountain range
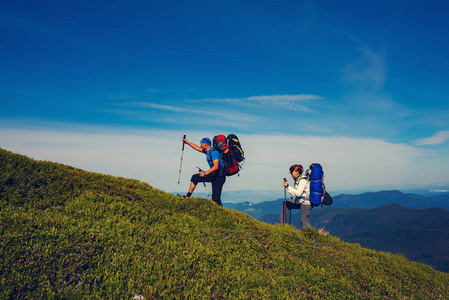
376 199
414 225
258 196
365 200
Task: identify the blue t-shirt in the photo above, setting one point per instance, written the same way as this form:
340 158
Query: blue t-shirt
213 155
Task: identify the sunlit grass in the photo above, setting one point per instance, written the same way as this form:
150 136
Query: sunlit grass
68 233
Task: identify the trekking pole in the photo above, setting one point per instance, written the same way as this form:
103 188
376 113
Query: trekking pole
199 169
285 190
182 154
285 202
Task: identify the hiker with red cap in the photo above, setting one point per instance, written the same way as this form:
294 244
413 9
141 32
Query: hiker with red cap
216 173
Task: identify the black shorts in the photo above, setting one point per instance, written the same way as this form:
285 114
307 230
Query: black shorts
217 181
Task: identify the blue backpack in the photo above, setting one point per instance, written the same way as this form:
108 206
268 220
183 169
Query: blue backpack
318 195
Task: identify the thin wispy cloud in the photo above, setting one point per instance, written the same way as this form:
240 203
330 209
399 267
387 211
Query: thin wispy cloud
266 99
160 106
154 91
368 72
439 138
217 114
276 98
292 102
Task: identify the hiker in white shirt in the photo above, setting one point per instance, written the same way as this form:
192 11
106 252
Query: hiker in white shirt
300 191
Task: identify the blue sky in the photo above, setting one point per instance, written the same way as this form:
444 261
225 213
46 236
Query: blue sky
361 87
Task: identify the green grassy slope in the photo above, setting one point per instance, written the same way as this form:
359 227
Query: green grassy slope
68 233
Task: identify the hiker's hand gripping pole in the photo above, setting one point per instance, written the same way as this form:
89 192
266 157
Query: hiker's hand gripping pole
182 154
199 170
285 189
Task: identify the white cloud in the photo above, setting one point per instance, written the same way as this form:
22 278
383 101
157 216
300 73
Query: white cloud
153 156
350 163
439 138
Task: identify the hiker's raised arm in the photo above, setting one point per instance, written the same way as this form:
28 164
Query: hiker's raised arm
194 146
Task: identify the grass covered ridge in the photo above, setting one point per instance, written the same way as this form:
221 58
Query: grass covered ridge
68 233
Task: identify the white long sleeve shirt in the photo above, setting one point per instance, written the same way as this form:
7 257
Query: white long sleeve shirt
300 190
